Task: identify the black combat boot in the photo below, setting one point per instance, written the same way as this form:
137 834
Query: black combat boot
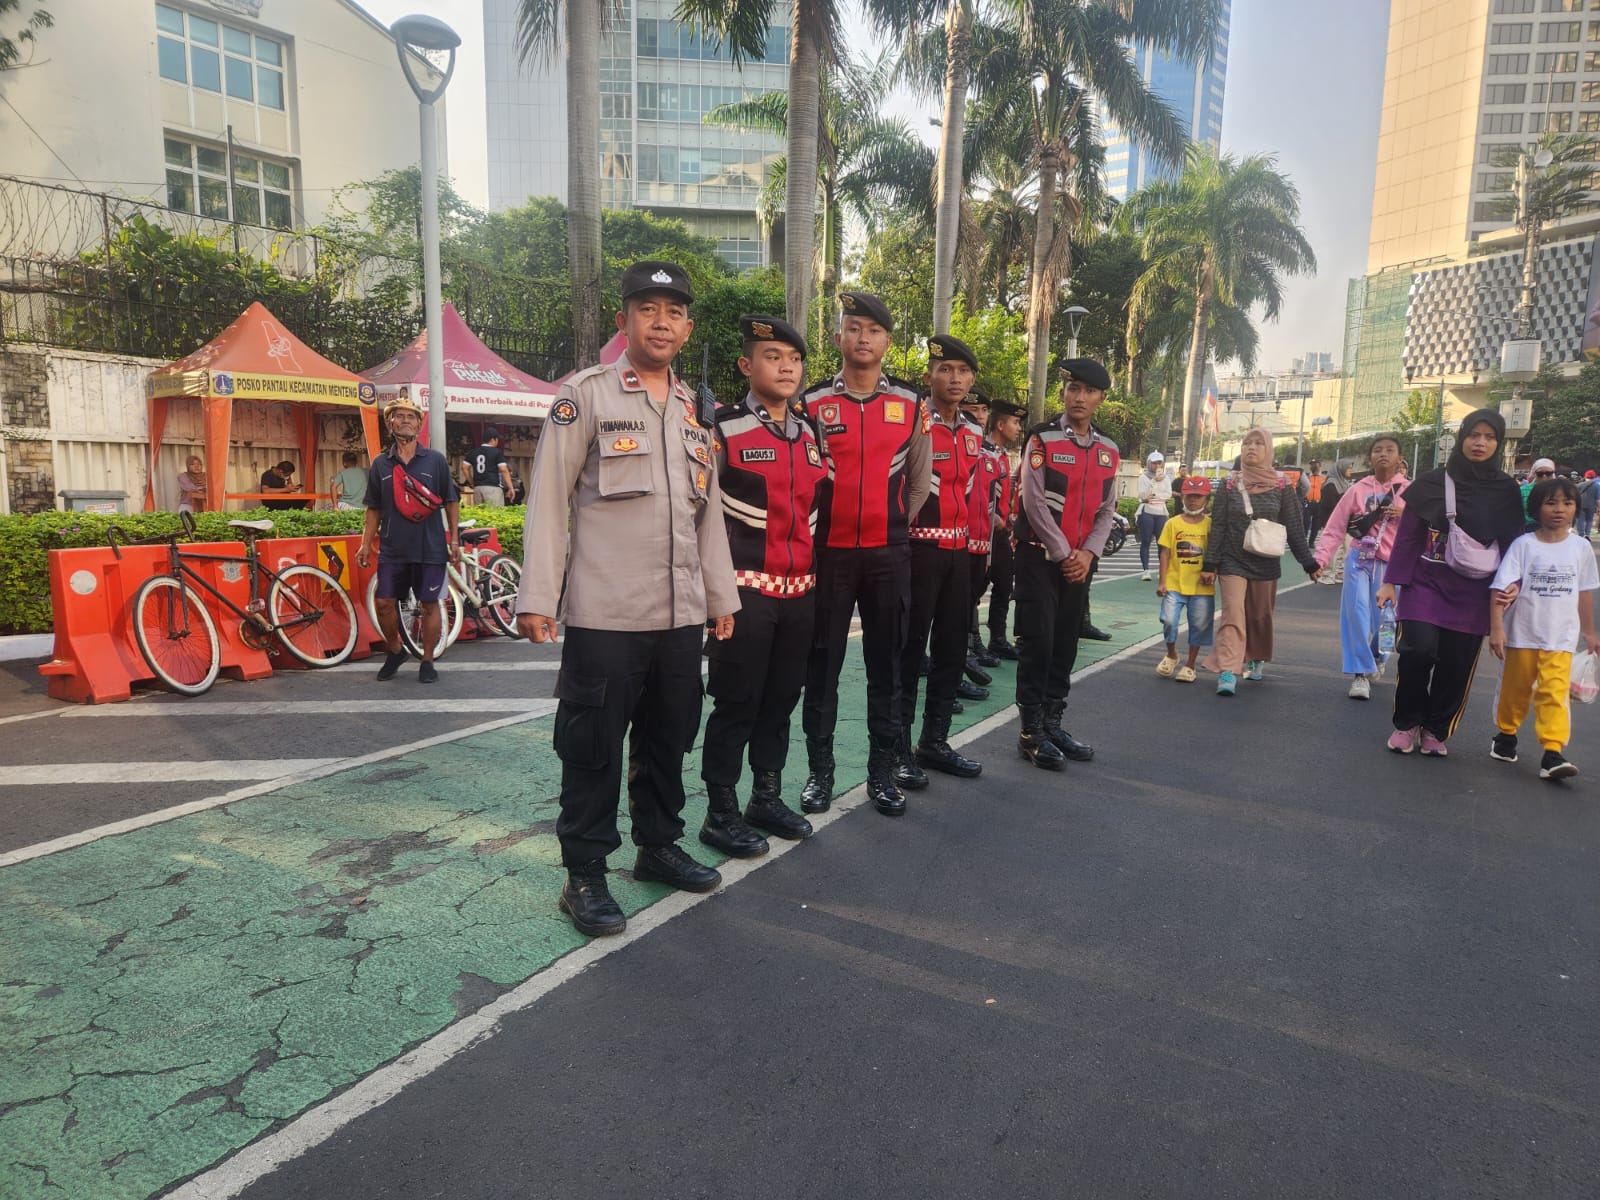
980 652
1093 632
768 813
1033 745
970 691
587 900
817 794
886 798
670 865
907 774
1068 745
977 674
934 750
724 827
1000 648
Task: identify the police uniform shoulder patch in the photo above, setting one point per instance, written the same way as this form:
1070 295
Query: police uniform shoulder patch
1036 459
563 412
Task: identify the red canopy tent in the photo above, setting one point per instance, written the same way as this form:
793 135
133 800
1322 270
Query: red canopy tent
255 359
478 382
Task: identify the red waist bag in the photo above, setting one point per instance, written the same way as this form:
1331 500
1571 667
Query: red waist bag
412 499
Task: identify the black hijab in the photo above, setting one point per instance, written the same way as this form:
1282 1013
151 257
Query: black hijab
1488 501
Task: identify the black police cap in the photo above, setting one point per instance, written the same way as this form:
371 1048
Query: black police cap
771 329
1004 408
942 348
652 275
1087 370
865 304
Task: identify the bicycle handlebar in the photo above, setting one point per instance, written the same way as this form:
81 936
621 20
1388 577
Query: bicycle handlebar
116 532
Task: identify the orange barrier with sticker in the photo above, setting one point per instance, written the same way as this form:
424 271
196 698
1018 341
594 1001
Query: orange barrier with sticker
96 658
335 554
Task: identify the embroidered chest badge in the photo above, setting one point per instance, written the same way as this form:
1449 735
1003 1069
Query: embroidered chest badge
829 414
813 455
624 445
704 455
688 414
1105 458
972 445
700 480
894 412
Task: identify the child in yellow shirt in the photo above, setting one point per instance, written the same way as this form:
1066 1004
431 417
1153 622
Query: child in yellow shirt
1183 586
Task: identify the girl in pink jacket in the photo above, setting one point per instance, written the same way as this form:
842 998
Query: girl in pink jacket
1369 513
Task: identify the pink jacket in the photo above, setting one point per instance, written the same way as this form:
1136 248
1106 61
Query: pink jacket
1358 498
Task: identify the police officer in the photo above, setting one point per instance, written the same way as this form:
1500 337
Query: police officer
1069 472
1005 429
625 459
773 480
981 502
875 442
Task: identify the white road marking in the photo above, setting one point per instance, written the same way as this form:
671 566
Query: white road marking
84 837
191 709
160 772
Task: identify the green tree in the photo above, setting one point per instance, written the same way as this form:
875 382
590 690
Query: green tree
1566 418
1225 230
12 45
1421 408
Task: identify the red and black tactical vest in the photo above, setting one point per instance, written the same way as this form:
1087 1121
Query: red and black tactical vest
1077 479
955 453
984 498
772 489
865 444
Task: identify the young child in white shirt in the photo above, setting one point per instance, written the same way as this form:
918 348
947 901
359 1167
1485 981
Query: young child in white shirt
1543 604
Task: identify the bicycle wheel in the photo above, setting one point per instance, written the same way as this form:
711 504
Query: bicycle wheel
176 635
450 614
315 619
498 585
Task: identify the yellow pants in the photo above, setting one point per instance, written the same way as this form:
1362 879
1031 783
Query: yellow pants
1540 678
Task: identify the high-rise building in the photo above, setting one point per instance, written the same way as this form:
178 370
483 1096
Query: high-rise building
1194 90
657 81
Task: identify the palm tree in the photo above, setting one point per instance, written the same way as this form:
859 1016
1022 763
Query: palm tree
539 38
1048 71
1225 231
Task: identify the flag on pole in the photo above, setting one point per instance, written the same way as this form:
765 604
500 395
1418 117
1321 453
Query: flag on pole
1209 414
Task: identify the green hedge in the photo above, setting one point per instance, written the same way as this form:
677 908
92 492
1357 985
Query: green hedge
25 543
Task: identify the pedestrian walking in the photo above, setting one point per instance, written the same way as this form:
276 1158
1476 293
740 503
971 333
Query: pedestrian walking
875 441
983 497
941 576
1443 581
1543 606
1155 494
626 463
1247 560
1005 424
1368 512
1312 504
1334 486
773 481
491 474
1068 493
1185 589
412 510
1588 503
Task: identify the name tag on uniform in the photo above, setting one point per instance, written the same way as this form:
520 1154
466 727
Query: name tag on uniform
1063 457
894 412
624 426
941 455
764 454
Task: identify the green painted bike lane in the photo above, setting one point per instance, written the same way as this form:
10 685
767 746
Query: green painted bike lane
170 994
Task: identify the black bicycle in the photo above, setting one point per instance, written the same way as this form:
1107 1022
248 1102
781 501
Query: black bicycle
301 609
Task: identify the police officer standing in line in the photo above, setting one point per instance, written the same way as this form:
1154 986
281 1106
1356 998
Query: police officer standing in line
773 479
1069 472
981 502
940 577
625 458
875 442
1005 424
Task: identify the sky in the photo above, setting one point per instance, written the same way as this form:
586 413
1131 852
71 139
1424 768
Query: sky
1305 83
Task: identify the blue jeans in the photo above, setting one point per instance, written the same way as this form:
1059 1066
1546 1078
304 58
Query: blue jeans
1358 613
1200 609
1149 528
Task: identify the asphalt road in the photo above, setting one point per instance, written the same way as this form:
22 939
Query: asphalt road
1245 953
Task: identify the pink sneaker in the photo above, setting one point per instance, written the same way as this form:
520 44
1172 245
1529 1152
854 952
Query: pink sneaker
1432 746
1403 741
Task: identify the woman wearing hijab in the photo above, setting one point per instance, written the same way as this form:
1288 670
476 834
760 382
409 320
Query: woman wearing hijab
1155 491
1248 582
1334 488
1444 615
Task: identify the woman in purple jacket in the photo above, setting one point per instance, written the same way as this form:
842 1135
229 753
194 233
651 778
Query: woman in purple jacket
1444 615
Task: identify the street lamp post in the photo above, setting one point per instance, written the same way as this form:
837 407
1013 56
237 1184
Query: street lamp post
415 37
1530 219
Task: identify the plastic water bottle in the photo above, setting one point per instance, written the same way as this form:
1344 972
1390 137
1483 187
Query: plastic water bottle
1386 632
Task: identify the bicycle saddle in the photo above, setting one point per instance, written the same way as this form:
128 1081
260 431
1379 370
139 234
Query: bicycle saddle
472 537
258 526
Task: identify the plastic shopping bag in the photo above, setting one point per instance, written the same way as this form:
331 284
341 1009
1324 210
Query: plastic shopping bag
1585 678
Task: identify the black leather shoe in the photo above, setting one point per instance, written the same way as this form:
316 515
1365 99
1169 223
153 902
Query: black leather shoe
724 827
670 865
1034 746
935 752
586 899
980 653
971 691
1000 648
1094 633
907 774
772 815
956 706
977 674
817 794
1063 741
392 664
886 798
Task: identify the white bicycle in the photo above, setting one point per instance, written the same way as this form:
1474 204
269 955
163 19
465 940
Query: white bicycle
486 583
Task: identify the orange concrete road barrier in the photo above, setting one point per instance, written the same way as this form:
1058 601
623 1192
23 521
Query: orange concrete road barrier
335 554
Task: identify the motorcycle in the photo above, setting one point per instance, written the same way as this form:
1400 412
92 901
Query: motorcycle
1120 528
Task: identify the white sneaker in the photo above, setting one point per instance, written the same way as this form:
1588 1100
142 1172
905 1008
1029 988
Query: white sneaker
1377 676
1145 577
1360 687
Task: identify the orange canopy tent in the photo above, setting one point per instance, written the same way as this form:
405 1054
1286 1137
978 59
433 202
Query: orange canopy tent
256 359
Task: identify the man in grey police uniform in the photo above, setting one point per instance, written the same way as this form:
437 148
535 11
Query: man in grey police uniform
624 454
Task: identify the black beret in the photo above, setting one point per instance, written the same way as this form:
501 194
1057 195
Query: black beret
1086 370
942 346
865 304
974 398
771 329
655 276
1004 408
